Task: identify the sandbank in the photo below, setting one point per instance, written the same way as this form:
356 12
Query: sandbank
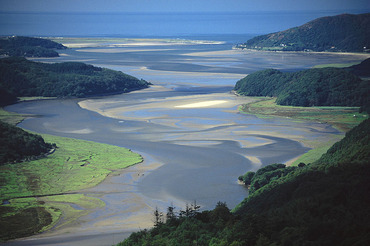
176 128
128 42
219 53
208 134
117 50
202 104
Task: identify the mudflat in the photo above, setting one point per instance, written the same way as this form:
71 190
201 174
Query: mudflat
192 152
194 141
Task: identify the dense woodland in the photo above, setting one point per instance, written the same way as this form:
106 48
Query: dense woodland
21 77
345 32
17 145
322 203
311 87
362 69
29 47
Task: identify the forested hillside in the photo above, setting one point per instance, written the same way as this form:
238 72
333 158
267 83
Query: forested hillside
312 87
345 32
20 77
323 203
17 144
362 69
29 47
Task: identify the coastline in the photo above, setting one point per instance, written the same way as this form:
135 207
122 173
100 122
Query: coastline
183 102
67 198
139 212
359 54
343 123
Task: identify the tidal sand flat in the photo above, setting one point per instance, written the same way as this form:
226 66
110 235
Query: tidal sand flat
183 56
194 141
193 153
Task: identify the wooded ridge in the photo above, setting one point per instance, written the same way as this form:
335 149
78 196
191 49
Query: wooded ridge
23 78
16 144
311 87
346 32
29 47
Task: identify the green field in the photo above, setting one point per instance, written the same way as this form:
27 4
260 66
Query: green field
342 118
337 65
42 191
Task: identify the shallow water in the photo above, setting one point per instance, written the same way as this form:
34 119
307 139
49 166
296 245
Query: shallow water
190 153
205 172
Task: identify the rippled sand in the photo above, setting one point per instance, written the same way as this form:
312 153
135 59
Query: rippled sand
194 141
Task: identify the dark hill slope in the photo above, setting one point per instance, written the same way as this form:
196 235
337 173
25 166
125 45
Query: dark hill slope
323 203
20 77
17 144
29 47
311 87
362 69
346 32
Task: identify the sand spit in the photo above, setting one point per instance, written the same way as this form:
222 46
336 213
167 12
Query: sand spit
127 42
202 104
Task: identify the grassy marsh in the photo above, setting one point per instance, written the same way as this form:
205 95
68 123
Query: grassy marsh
42 191
342 118
337 65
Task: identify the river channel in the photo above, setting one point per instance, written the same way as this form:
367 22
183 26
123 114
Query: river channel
187 126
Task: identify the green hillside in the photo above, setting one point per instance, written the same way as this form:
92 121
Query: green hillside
17 145
323 203
311 87
23 78
29 47
344 32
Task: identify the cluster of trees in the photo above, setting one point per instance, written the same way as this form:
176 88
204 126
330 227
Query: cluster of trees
17 145
29 47
187 227
265 175
311 87
362 69
6 97
21 77
335 33
321 203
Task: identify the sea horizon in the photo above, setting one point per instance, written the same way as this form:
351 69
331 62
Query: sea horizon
154 25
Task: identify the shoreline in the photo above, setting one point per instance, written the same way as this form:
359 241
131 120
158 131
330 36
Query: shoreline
307 52
63 196
141 216
317 147
179 139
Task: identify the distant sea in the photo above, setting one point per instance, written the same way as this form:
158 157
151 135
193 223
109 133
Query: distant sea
230 26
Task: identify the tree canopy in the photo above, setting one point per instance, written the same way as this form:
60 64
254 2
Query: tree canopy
17 144
21 77
344 32
311 87
29 47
